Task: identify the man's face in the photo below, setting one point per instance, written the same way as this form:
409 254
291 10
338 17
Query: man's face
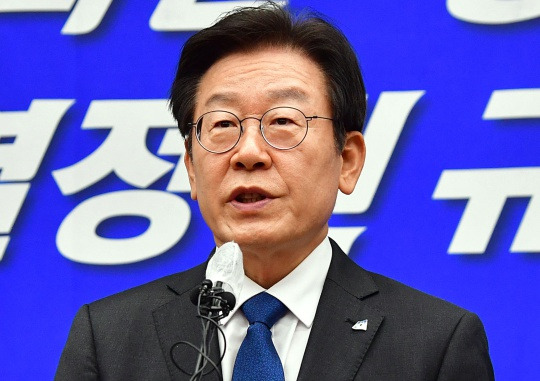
263 198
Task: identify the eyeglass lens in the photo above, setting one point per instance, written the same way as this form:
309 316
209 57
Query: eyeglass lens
282 128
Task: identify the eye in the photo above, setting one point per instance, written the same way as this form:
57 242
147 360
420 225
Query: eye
218 122
282 121
224 124
283 118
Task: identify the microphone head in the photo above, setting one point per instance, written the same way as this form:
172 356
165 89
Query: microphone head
229 298
194 295
201 289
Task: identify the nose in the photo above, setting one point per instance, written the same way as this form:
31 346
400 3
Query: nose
251 152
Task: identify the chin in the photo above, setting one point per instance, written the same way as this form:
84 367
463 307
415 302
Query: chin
251 240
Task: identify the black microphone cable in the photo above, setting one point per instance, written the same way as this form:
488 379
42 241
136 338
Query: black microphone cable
213 304
209 325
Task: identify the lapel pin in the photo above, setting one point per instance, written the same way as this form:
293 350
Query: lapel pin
360 325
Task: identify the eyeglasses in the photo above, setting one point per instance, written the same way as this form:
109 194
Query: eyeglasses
282 127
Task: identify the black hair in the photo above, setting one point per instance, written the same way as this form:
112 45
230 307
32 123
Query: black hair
250 28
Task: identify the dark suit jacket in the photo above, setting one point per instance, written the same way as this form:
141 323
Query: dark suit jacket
410 335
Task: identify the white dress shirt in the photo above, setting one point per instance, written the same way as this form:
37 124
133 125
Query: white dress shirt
300 291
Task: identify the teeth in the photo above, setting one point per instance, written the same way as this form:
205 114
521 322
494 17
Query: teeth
250 197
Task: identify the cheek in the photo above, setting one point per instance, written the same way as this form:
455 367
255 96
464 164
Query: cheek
325 181
314 184
207 186
208 197
206 181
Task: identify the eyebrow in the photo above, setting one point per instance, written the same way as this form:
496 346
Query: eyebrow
286 94
292 93
221 98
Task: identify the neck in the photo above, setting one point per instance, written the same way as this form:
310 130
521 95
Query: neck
267 273
267 268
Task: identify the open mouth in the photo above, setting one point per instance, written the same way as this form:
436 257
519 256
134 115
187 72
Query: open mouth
247 198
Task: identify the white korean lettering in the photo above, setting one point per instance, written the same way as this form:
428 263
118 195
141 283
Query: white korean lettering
31 132
186 15
487 191
86 15
36 5
513 104
4 241
124 151
169 217
12 197
382 133
172 144
493 11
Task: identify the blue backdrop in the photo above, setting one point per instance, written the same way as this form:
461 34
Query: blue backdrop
93 194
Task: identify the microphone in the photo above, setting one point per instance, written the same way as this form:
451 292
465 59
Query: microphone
202 290
221 298
215 298
229 299
213 302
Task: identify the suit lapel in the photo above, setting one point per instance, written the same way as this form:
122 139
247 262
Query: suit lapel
177 322
335 350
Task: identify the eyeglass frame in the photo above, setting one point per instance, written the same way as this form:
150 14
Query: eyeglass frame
308 119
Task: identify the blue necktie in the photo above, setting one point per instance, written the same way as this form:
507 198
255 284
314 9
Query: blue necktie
257 358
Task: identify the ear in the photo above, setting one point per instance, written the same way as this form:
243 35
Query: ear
188 161
353 155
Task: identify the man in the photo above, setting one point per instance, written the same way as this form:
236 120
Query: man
272 109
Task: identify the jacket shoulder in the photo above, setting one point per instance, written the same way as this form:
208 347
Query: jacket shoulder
400 298
390 297
151 295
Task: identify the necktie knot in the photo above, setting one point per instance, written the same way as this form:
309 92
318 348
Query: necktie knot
263 308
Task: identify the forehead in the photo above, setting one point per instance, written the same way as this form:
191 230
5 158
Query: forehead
264 77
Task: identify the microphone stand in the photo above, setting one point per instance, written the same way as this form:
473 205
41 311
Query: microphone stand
213 304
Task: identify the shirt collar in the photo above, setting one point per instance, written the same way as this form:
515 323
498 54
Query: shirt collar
300 290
